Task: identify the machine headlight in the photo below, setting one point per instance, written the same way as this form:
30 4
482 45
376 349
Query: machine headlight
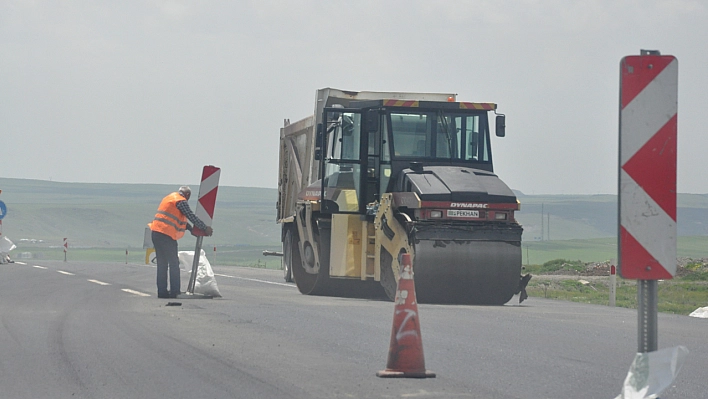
500 216
435 214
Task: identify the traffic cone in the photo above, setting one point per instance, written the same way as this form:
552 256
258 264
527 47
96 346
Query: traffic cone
405 353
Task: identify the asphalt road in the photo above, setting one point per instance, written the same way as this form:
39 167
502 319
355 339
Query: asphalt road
97 330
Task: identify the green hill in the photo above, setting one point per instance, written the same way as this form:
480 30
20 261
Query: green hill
567 217
584 227
114 216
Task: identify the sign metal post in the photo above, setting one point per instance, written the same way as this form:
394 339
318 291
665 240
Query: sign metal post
647 201
206 201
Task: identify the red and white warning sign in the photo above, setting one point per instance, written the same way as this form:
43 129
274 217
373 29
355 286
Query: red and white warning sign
647 166
206 202
66 244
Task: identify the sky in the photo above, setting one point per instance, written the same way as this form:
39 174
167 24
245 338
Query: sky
151 91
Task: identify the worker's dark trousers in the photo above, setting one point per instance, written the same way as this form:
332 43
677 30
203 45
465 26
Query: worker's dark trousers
166 253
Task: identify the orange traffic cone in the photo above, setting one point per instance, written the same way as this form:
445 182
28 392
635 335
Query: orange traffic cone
405 354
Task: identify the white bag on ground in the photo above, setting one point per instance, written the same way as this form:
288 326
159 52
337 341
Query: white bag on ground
700 312
205 283
651 373
5 247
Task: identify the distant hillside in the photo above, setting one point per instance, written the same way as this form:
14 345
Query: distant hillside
115 215
595 216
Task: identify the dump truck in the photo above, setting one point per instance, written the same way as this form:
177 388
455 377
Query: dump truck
373 175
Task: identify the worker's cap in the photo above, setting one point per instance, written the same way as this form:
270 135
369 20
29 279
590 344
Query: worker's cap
185 190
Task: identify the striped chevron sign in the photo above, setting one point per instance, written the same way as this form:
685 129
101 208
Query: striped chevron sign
647 166
207 194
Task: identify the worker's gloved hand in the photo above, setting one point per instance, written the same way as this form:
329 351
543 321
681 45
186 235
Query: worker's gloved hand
201 233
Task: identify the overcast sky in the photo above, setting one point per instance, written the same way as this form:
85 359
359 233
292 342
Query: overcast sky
150 91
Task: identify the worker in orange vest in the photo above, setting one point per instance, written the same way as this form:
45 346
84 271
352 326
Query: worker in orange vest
169 226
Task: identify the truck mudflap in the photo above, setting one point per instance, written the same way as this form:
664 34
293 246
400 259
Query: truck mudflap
457 264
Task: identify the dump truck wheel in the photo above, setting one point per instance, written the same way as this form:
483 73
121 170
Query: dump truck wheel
307 283
290 253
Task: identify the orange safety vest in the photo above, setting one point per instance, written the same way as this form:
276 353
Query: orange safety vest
169 220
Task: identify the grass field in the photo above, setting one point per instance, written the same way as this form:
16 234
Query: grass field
599 249
675 296
566 280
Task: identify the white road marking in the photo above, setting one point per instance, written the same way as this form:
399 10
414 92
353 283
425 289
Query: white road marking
99 282
67 273
40 267
129 291
255 279
20 263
